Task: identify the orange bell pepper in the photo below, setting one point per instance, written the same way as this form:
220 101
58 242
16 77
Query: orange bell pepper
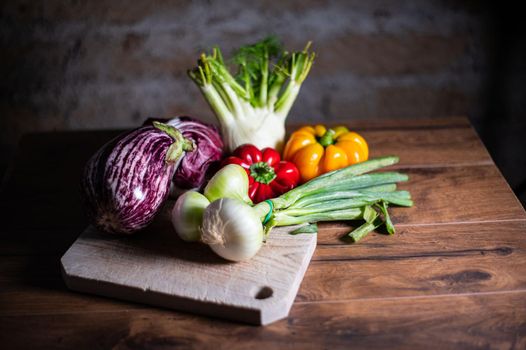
316 150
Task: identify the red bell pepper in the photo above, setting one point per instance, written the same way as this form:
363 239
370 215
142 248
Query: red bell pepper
268 175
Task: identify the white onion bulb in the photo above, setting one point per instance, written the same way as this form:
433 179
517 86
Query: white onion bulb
232 229
187 215
230 182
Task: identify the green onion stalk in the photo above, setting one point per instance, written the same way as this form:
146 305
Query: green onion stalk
253 103
235 228
345 194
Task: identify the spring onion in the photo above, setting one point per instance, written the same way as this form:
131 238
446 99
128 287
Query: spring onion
232 229
252 104
187 215
345 194
230 182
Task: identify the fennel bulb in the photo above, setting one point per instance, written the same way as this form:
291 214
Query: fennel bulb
252 105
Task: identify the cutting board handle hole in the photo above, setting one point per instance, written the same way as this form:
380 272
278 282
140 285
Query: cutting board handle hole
264 293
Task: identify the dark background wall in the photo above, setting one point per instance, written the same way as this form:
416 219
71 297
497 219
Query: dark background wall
110 64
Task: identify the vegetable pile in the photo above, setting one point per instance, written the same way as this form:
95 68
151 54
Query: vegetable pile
233 209
233 227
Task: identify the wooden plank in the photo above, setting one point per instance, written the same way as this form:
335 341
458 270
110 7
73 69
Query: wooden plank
439 308
47 298
395 277
453 195
50 162
394 124
32 285
58 158
434 147
420 239
418 261
463 322
459 194
423 145
442 196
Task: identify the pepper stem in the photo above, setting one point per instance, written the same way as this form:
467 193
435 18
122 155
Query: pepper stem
327 138
262 172
180 145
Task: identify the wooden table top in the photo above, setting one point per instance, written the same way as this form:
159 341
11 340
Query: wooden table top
454 275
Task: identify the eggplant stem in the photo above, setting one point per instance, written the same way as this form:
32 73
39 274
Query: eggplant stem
180 144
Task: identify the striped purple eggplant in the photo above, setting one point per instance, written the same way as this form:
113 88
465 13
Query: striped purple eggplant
200 165
197 166
128 179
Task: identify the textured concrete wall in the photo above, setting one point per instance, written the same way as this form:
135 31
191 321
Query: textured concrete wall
98 64
107 64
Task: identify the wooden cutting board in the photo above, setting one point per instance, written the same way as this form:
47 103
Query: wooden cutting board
156 267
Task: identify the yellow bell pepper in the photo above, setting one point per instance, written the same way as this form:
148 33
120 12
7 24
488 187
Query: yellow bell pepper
316 150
